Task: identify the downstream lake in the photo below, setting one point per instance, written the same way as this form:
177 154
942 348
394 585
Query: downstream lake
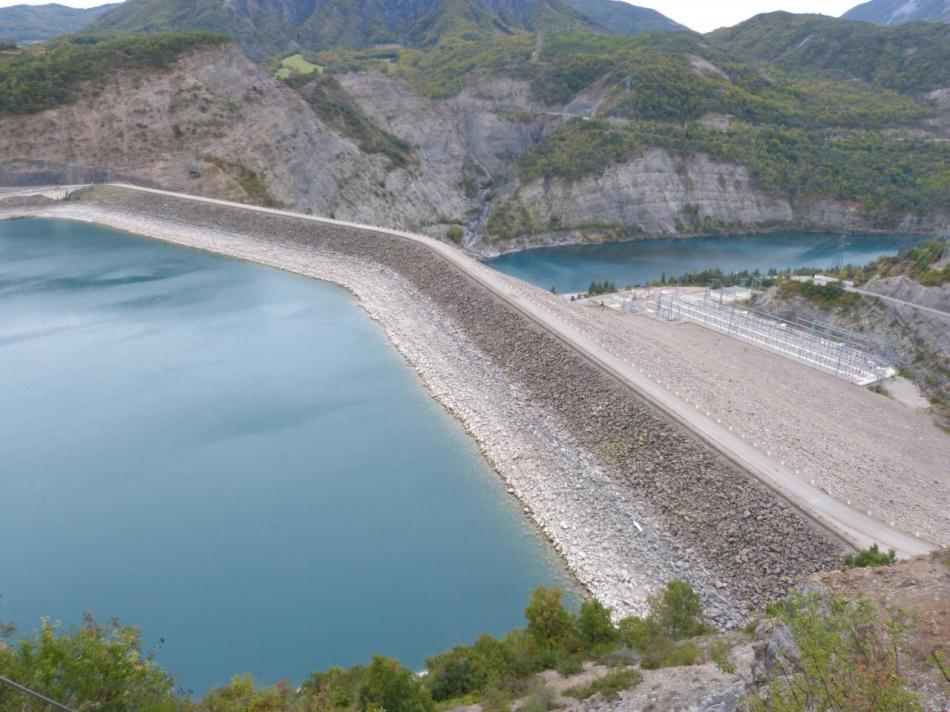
236 460
572 268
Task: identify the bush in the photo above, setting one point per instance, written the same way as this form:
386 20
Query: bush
594 626
678 611
636 632
608 686
871 556
549 623
90 666
848 659
453 674
665 653
455 234
393 688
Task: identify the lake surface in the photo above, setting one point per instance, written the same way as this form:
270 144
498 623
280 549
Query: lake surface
236 460
572 268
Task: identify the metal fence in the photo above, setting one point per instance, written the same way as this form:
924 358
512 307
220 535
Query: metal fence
822 346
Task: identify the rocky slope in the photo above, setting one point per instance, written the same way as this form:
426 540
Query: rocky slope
215 124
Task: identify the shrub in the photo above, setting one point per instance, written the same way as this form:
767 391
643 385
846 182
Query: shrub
455 234
872 556
549 623
453 673
664 652
393 688
608 685
848 659
637 632
678 610
90 666
594 626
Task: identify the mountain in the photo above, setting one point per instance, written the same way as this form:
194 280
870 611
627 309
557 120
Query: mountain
268 27
472 139
910 58
897 12
623 18
34 23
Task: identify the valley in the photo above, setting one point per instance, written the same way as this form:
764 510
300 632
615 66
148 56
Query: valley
635 462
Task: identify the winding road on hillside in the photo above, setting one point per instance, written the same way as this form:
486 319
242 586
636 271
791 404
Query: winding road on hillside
855 527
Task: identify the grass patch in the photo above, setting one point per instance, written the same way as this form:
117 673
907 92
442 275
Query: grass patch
296 66
609 686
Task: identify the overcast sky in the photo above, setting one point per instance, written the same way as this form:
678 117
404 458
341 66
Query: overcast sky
701 15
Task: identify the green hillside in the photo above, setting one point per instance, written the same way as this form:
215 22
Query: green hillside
264 29
35 23
910 59
898 12
43 76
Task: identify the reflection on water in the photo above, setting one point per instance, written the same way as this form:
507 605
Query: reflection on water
572 268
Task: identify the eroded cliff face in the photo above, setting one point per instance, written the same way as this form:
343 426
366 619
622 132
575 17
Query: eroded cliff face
653 192
216 124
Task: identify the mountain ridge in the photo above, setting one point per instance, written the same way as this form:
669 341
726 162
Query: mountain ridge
898 12
267 27
34 23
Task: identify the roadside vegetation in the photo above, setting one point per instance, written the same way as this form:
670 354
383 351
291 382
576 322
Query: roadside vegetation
872 556
42 76
920 263
840 654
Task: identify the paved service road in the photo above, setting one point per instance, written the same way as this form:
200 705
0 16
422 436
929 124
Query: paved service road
902 302
854 526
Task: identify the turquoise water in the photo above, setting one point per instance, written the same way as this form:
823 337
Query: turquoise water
573 268
236 460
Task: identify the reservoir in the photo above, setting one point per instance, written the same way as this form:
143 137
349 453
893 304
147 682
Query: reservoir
236 460
572 268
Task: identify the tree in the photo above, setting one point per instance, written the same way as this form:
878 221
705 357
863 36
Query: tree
594 626
549 623
96 666
847 659
393 688
677 610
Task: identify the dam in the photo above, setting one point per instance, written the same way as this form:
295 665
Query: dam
631 491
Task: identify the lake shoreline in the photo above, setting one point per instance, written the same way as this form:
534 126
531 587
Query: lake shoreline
537 460
488 252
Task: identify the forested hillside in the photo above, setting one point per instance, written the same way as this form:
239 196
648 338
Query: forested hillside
35 23
897 12
263 29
